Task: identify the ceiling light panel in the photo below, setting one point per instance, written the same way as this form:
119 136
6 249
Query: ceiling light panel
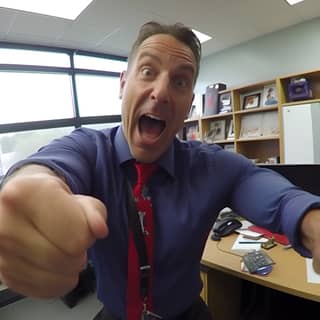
201 36
293 2
69 9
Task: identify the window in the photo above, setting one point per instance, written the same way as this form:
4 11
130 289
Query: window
29 96
96 63
13 146
34 57
44 97
98 95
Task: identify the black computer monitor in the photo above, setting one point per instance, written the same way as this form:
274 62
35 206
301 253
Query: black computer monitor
306 176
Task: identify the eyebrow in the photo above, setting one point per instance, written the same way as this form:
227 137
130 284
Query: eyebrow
183 66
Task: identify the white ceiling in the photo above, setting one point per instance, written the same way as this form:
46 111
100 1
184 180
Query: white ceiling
110 26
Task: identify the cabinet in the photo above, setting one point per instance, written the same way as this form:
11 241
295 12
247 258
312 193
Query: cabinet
218 290
254 127
302 137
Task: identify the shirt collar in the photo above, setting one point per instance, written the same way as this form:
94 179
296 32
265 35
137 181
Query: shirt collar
166 161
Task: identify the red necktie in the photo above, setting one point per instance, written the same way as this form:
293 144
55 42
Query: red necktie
144 207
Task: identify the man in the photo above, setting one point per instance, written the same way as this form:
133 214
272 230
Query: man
73 195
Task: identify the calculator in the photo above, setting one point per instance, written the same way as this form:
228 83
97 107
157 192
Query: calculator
257 260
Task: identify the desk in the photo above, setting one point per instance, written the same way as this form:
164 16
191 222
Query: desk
288 274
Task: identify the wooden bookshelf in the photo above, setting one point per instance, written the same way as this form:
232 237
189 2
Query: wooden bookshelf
266 145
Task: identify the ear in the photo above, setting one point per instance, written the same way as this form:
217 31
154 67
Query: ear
123 78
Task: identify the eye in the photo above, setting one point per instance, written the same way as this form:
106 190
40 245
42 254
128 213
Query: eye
181 82
146 72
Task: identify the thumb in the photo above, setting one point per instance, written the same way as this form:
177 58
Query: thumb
316 265
95 214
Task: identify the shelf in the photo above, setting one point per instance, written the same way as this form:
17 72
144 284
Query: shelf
293 103
218 116
258 109
225 141
261 119
191 120
263 138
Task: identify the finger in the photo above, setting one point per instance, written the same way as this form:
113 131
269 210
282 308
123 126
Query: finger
316 265
53 212
34 282
96 215
71 225
19 236
51 260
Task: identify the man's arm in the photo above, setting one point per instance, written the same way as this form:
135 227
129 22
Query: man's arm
45 231
310 235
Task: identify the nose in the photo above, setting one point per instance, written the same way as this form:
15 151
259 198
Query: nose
161 90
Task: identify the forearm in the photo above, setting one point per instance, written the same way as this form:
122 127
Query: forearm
310 235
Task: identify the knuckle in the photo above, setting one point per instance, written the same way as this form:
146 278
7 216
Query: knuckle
9 194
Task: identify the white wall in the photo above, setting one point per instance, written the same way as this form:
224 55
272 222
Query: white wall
291 50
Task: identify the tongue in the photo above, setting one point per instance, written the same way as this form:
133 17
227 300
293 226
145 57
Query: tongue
150 127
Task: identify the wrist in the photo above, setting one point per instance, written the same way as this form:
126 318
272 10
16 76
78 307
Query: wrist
309 229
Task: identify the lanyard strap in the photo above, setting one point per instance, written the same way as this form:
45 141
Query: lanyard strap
139 240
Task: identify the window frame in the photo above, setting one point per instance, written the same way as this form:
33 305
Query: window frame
76 121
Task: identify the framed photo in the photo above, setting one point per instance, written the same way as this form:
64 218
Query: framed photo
225 102
269 96
217 131
218 128
230 135
251 126
192 132
251 100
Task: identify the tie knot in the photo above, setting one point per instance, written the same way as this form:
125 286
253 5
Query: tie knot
144 171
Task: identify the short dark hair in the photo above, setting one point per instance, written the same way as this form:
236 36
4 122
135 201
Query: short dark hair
177 30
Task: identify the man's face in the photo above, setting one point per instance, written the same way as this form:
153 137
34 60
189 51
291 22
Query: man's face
157 92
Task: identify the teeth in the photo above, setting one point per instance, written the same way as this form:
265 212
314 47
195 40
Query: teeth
153 117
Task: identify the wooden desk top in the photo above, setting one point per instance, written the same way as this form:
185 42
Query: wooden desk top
288 275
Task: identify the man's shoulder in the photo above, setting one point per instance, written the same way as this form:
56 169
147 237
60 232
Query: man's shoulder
206 153
89 135
193 147
90 132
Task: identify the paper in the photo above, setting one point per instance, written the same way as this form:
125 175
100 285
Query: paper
312 277
249 244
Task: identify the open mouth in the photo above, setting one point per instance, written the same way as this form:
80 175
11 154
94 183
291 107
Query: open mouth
151 127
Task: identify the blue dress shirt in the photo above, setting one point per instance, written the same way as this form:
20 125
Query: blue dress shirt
195 182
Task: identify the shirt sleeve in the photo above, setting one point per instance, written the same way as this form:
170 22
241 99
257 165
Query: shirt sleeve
71 157
267 199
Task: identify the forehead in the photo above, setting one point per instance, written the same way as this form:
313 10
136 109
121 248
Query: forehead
166 45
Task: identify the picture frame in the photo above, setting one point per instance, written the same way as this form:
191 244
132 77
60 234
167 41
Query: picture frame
251 100
225 103
217 131
230 135
251 126
269 96
192 133
218 127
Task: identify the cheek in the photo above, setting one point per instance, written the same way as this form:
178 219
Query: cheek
185 108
